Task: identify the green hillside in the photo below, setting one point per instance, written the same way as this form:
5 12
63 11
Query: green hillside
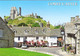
26 21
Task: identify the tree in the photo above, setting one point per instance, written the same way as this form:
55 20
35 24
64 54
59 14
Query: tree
39 17
6 17
22 24
35 25
57 27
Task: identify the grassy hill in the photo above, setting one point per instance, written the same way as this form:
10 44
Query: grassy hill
34 22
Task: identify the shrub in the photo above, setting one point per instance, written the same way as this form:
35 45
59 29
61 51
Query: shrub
22 24
35 25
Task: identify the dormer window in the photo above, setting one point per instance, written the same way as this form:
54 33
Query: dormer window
36 31
15 31
1 33
44 31
26 31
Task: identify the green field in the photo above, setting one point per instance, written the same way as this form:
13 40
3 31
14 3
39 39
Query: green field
17 52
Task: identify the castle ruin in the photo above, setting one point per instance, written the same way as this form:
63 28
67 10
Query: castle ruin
14 13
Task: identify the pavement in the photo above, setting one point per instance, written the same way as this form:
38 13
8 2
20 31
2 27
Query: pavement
54 51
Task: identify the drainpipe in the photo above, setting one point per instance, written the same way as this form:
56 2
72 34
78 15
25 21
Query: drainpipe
75 45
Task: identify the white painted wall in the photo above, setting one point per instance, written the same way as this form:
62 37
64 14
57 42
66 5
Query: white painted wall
34 38
16 39
52 40
31 38
49 39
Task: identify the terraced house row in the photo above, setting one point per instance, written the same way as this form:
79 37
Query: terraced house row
38 34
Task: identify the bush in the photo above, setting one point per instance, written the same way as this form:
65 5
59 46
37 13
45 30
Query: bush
35 25
57 27
22 24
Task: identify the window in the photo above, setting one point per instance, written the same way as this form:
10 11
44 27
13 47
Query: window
26 31
76 26
37 38
1 33
53 43
36 31
18 38
44 37
70 35
25 38
15 31
43 30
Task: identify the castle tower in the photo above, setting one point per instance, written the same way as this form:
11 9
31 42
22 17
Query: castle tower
35 15
19 11
48 24
32 15
13 13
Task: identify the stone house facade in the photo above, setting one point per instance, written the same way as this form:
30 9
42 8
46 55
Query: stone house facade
72 33
6 35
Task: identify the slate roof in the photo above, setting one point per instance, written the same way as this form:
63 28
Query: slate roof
36 31
55 32
6 25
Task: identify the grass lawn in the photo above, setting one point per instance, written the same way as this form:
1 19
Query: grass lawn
17 52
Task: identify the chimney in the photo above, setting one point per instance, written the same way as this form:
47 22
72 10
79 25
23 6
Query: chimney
48 24
77 16
72 19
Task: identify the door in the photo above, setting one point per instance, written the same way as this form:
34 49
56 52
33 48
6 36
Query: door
59 41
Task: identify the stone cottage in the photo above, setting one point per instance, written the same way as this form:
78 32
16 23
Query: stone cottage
6 35
37 34
72 34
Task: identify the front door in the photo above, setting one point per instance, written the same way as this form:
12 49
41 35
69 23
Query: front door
59 41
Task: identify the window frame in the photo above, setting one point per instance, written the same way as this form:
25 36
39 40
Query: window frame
18 38
37 38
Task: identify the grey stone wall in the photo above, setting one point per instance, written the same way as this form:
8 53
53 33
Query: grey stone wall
8 35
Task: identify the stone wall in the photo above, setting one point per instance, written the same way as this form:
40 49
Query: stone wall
8 35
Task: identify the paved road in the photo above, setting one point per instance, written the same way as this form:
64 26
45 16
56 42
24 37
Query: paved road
53 50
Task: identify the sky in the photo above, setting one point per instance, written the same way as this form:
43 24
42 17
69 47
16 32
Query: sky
55 14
